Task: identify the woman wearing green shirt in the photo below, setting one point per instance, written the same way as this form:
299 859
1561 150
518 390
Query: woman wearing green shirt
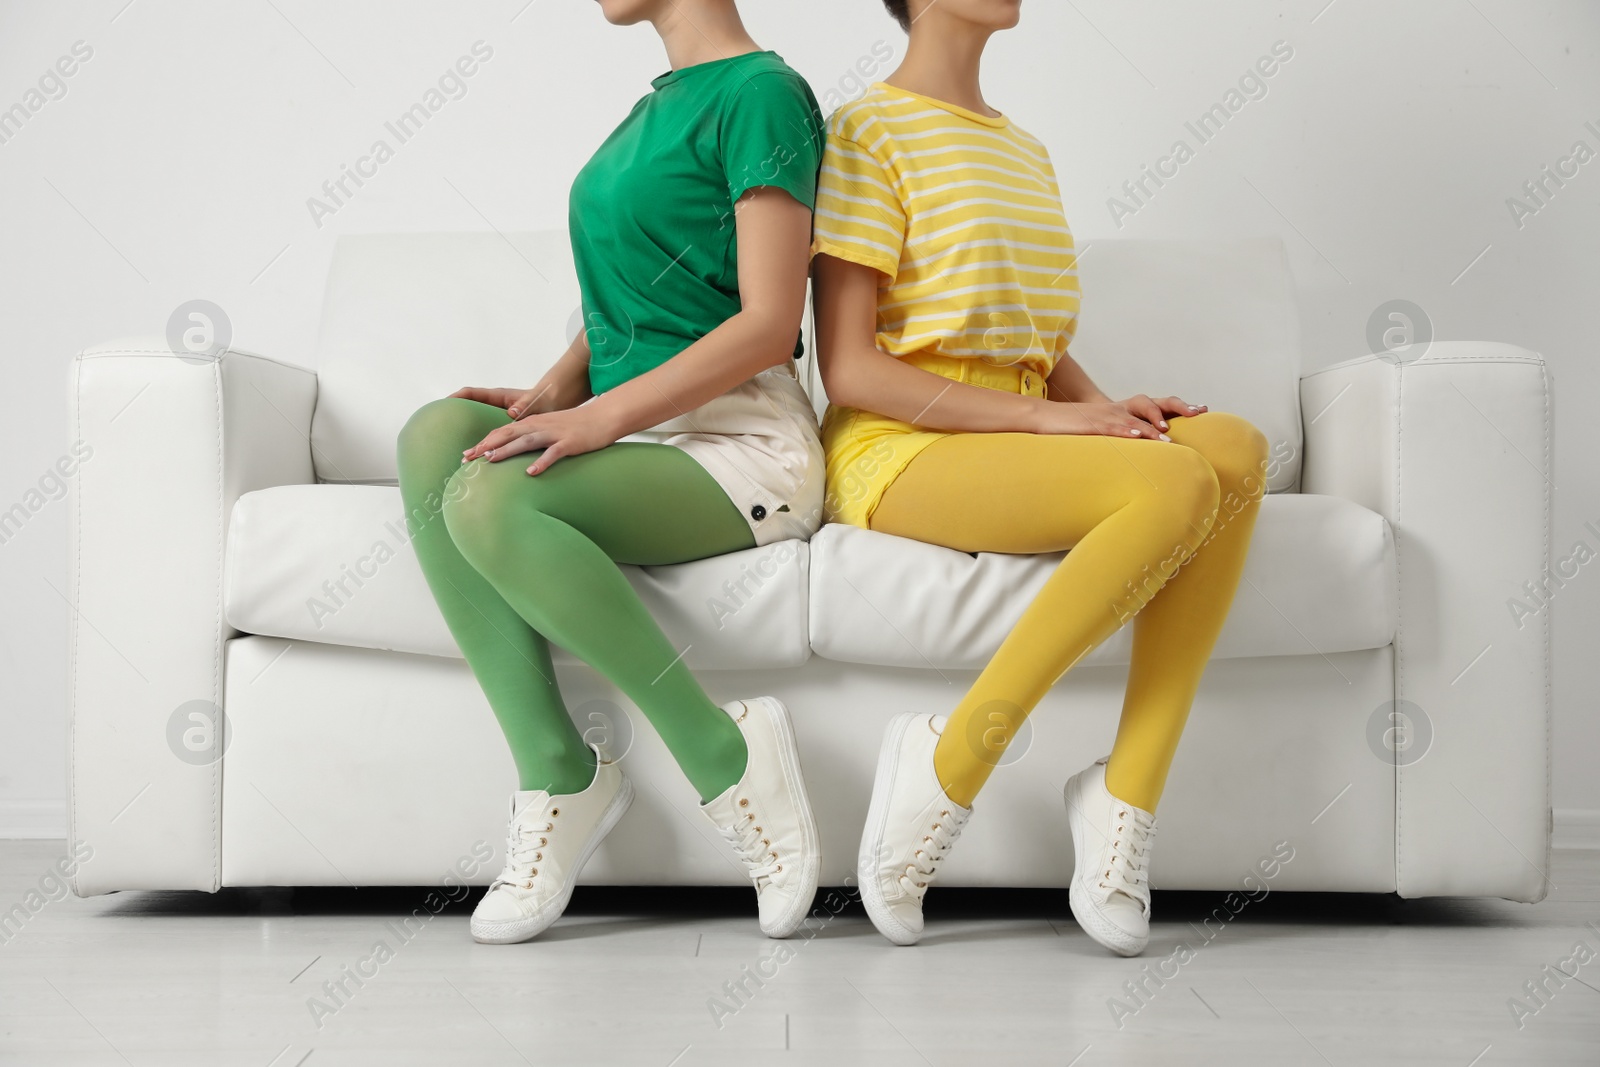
673 428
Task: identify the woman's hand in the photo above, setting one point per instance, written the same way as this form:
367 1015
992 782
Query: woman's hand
567 432
553 393
496 398
1105 419
1155 411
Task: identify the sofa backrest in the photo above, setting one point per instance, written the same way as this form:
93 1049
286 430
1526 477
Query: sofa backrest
411 317
1214 322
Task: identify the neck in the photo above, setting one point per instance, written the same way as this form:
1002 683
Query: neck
700 31
943 61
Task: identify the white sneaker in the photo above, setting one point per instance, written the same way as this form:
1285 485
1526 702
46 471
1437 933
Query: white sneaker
911 825
549 839
766 816
1111 841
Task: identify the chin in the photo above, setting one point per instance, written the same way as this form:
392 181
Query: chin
1007 13
993 14
627 12
990 15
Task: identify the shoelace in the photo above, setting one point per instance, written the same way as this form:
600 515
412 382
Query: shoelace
756 851
924 863
524 849
1130 843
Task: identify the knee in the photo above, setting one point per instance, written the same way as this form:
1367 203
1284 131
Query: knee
435 428
1237 451
1188 492
491 510
473 509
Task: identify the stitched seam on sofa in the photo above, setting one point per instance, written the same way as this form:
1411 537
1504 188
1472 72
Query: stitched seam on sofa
1361 360
1544 626
86 354
216 657
72 634
1400 622
803 562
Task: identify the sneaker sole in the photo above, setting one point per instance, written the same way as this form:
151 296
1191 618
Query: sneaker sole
1097 926
811 871
877 905
518 930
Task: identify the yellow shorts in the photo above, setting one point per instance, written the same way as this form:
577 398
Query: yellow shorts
864 452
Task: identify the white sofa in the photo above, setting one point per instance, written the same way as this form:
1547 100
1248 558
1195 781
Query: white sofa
226 498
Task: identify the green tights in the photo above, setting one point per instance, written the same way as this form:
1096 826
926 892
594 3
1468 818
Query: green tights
516 561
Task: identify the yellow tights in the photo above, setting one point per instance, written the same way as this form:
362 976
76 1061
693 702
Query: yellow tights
1133 511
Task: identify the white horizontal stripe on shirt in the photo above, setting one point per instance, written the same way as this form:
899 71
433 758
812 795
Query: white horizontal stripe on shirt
990 243
847 240
859 220
963 268
993 287
987 220
985 201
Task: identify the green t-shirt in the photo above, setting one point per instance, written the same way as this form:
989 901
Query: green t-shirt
652 213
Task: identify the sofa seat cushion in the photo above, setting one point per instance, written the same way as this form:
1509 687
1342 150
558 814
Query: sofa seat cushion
333 564
1320 579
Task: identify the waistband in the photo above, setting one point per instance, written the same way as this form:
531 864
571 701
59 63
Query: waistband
975 371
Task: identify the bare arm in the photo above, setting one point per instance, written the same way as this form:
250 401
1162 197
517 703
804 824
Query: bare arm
773 234
564 385
1070 383
857 374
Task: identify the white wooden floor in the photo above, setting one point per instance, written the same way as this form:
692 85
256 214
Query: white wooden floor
176 979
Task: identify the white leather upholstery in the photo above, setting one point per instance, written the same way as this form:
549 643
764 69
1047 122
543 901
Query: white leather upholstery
412 317
1454 450
332 563
1319 579
175 442
1214 322
1426 515
379 768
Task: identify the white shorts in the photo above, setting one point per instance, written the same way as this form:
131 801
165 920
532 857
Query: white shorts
761 443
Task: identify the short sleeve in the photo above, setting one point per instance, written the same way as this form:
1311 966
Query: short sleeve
859 215
772 136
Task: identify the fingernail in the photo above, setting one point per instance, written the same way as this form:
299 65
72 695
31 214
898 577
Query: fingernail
1193 408
1164 437
1163 424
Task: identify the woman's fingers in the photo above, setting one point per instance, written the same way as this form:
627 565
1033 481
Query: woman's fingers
1131 426
551 453
1174 406
485 395
525 442
1147 411
1146 429
523 404
495 440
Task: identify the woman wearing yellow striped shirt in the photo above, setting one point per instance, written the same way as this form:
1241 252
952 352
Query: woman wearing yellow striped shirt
946 290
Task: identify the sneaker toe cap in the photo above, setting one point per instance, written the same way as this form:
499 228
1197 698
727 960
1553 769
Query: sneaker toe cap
500 907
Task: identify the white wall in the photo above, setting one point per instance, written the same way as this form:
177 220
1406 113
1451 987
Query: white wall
179 161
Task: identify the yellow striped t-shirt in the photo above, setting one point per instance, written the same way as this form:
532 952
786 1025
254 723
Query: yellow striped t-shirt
961 211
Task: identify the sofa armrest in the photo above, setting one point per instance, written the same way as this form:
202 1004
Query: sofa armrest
1453 449
164 447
